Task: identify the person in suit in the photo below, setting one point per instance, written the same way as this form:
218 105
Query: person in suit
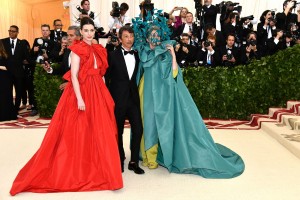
210 29
230 55
17 54
210 13
57 33
190 27
209 55
73 34
121 82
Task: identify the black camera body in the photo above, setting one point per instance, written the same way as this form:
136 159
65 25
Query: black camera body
253 42
207 43
229 56
295 4
250 17
116 11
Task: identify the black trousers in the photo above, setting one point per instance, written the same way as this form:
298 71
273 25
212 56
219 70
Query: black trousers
133 113
18 82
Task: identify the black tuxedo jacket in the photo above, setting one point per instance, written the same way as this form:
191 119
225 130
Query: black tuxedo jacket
15 62
59 35
122 89
220 40
234 51
195 30
64 66
210 14
202 58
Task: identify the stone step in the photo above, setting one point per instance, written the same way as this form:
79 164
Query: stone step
288 138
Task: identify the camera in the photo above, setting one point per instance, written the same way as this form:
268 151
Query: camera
295 4
42 44
114 37
207 43
250 17
147 5
252 42
229 55
115 9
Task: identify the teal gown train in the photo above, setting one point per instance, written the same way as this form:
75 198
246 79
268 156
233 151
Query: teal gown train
173 123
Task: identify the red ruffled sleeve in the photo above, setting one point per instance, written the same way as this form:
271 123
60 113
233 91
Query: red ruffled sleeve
85 53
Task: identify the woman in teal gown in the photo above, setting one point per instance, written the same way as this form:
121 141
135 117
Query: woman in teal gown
175 135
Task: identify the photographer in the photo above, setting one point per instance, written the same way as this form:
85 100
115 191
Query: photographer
286 17
294 32
230 55
59 49
265 27
209 55
251 50
210 29
118 16
85 12
56 34
190 28
234 27
209 13
112 43
179 20
42 46
185 53
275 43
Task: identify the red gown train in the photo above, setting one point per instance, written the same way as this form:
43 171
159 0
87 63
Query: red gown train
79 151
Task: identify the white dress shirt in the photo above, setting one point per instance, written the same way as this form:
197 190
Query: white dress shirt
130 63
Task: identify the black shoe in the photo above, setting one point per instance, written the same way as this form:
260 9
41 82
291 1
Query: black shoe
135 167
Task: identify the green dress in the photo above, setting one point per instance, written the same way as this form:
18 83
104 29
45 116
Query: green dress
174 132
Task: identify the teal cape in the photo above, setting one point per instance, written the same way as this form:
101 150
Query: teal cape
172 120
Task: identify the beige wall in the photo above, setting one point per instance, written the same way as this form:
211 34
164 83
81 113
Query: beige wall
29 17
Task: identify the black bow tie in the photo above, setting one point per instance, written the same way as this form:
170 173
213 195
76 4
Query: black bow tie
126 52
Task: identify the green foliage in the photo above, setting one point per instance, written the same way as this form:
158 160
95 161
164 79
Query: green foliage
224 93
47 92
236 93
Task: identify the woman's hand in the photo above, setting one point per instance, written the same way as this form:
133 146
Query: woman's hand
81 104
171 49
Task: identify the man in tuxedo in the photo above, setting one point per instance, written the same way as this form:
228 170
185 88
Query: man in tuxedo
56 34
121 81
17 56
73 34
210 29
230 55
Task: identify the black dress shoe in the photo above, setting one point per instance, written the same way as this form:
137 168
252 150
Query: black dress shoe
135 167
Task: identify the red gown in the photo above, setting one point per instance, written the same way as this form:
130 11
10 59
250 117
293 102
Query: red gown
79 151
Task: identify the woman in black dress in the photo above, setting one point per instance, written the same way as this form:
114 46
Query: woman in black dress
7 109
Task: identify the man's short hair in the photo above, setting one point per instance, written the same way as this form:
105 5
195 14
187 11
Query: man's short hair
209 26
190 13
124 6
76 29
184 35
16 27
83 1
56 20
45 25
230 34
125 28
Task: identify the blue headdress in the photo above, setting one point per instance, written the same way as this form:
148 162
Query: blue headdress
143 27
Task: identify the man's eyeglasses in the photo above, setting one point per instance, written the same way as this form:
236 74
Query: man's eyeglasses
58 25
11 31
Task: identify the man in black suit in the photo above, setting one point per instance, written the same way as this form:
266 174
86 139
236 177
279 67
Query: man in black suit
230 55
210 13
17 54
56 34
190 27
73 34
121 81
210 29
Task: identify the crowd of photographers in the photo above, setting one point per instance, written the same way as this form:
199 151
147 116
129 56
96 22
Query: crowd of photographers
198 41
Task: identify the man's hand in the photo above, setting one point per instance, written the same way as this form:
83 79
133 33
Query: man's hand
46 66
63 86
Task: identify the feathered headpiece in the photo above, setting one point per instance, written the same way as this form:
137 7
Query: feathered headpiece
142 26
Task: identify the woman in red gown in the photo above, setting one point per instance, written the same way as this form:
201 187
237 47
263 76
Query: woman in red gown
79 151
